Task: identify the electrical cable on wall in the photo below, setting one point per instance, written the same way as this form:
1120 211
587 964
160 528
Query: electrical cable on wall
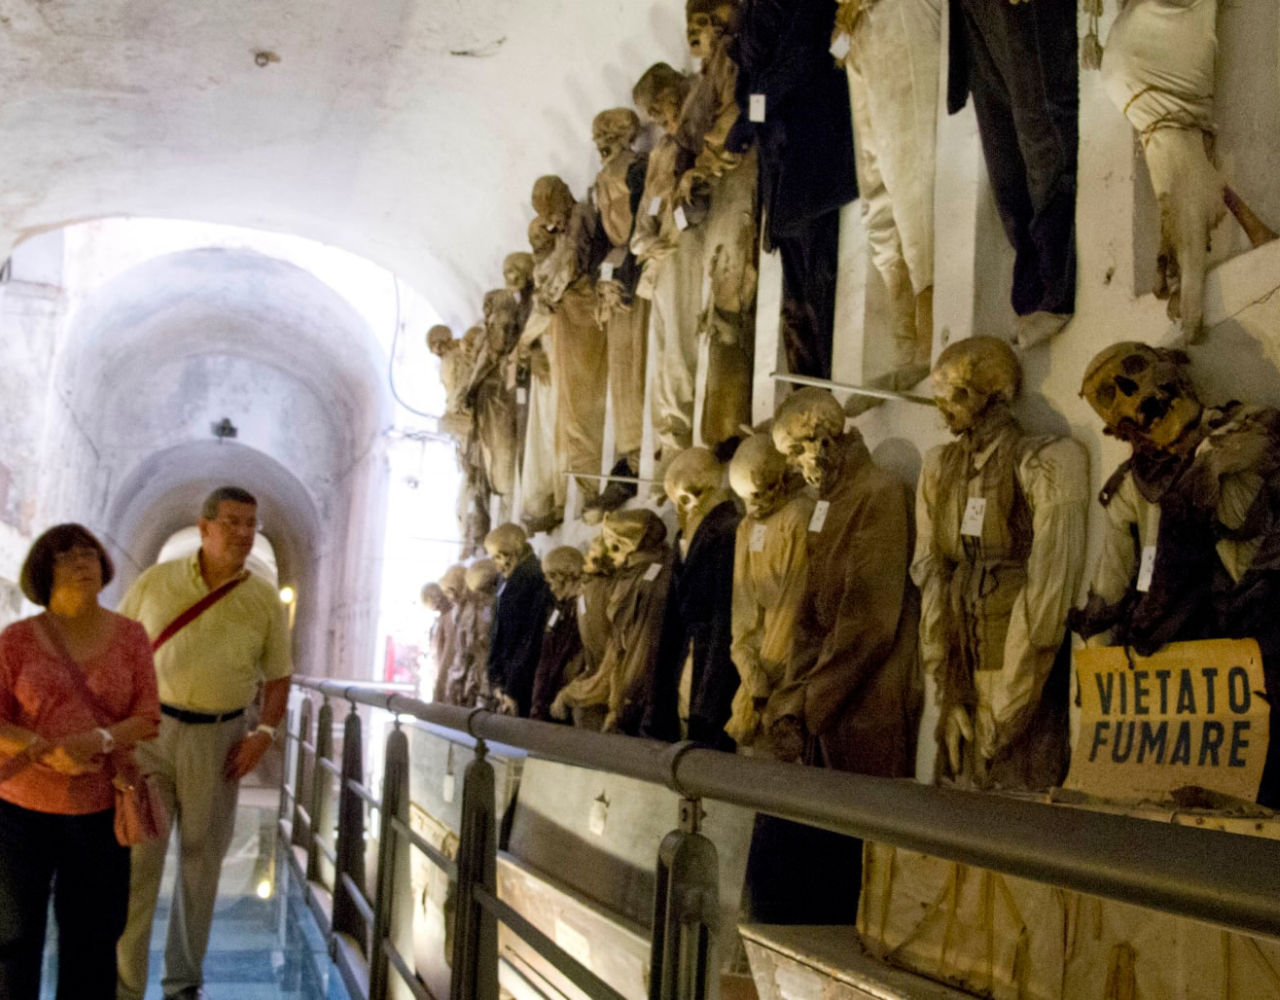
391 362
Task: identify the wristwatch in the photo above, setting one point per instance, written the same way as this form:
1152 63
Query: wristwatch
108 741
269 730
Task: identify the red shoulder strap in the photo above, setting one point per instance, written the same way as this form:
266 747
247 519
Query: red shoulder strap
195 611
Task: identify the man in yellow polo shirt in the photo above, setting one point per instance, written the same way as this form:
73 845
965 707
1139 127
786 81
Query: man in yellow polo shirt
208 672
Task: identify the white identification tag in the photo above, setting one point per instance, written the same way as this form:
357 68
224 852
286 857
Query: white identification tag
681 222
599 812
1146 568
582 604
522 395
819 515
758 533
606 271
755 108
652 572
655 206
840 47
975 511
448 788
511 376
555 617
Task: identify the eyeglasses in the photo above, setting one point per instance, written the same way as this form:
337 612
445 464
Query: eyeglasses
238 524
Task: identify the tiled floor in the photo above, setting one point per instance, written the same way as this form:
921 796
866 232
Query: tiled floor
260 949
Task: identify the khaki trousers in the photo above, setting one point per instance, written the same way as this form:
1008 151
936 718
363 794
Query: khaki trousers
188 762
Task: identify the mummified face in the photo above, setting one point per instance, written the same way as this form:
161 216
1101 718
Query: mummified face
693 483
614 131
971 375
807 431
506 545
517 271
598 561
705 25
440 340
562 568
482 577
758 474
1142 394
454 582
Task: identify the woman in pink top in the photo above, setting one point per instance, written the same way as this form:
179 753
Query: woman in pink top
56 799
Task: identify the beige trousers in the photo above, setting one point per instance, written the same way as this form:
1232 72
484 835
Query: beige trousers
581 365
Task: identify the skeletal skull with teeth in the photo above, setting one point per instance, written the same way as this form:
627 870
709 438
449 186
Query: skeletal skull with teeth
563 567
808 430
758 474
626 532
614 131
972 375
553 201
694 484
434 599
1142 394
507 544
517 271
541 240
706 22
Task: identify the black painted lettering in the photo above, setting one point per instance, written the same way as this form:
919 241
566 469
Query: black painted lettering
1239 730
1182 745
1099 739
1210 673
1186 694
1124 694
1163 677
1122 748
1140 692
1211 741
1152 740
1105 691
1239 693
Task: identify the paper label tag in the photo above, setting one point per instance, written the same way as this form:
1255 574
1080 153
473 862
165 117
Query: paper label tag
582 604
755 108
681 222
975 511
840 47
599 812
606 271
555 617
758 533
819 515
1146 568
652 572
448 789
655 206
511 376
522 395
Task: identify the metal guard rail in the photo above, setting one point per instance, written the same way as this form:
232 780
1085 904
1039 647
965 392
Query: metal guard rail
1220 878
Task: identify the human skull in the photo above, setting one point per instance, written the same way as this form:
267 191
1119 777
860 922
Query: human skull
597 561
482 577
454 581
541 240
517 271
506 545
807 430
692 481
500 312
628 531
553 201
706 22
434 598
1142 393
439 339
660 94
970 375
758 474
614 131
563 567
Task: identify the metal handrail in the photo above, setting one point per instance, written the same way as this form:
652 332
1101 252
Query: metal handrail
1220 878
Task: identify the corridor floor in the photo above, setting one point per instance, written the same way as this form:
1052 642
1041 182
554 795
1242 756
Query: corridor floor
260 949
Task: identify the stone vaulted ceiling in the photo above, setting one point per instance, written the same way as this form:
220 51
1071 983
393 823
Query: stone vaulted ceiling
407 132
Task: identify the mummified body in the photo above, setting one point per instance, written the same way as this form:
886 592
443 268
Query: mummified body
1000 518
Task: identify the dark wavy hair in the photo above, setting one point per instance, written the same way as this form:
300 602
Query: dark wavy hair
37 571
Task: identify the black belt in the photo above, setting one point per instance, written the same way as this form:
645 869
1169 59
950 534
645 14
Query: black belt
200 718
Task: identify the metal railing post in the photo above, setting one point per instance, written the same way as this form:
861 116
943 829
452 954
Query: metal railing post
300 787
321 810
349 849
392 910
686 913
475 941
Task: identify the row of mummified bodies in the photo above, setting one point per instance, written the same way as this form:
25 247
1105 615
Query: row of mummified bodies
767 126
799 619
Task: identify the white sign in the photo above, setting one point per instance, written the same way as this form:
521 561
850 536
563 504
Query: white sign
652 572
974 513
758 534
1146 568
840 47
681 222
655 206
819 515
755 108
